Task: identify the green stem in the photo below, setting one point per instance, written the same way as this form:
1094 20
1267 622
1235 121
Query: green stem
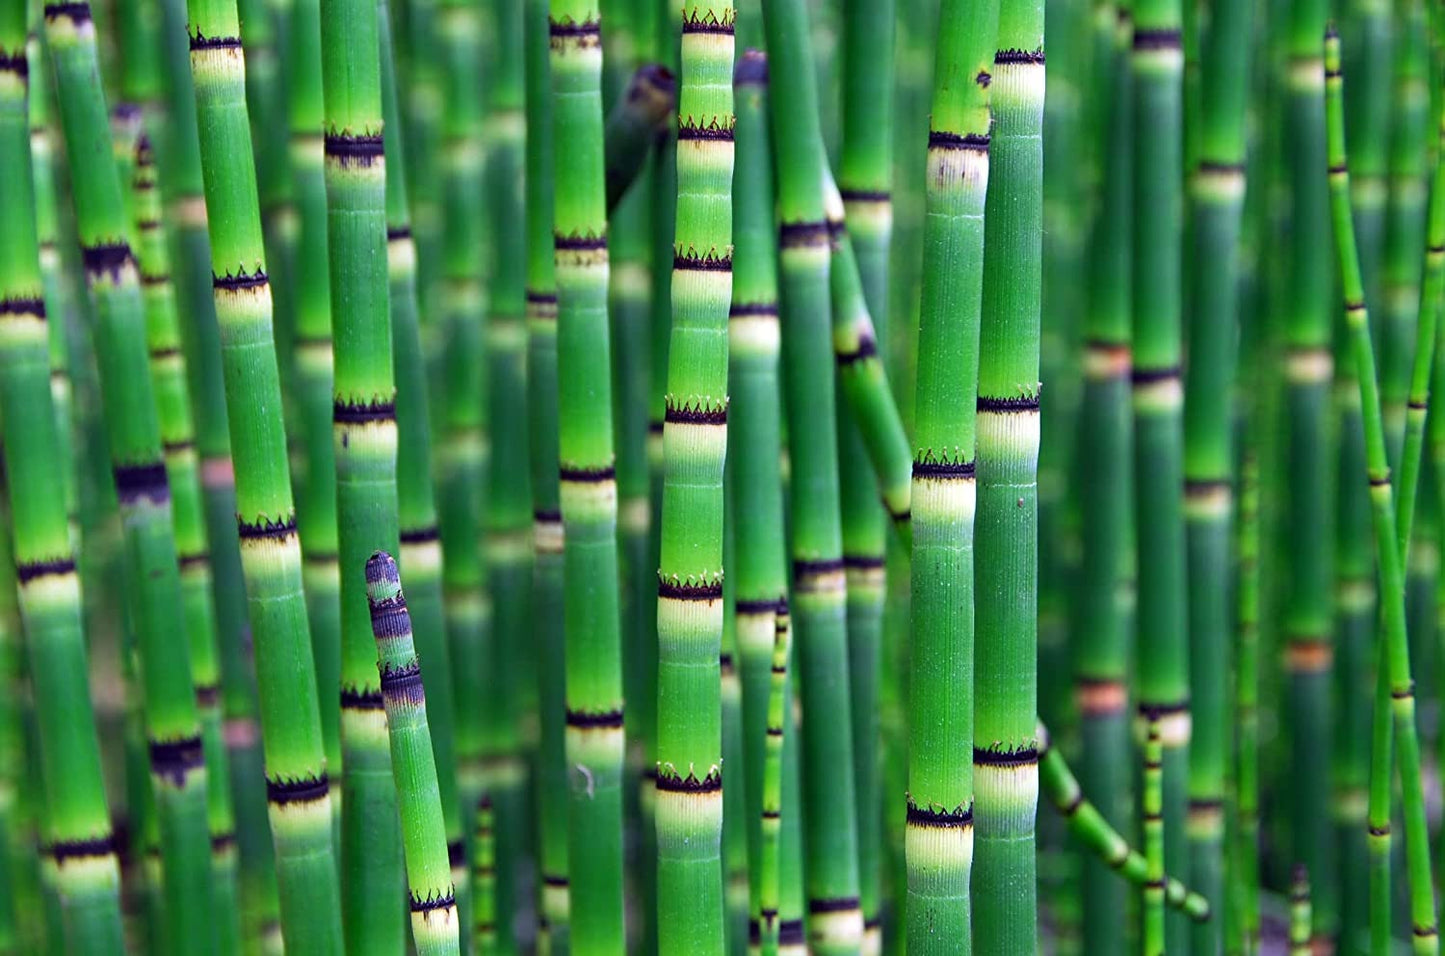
547 545
1217 205
939 840
1101 838
1102 605
865 177
79 859
689 802
172 725
1158 63
819 605
298 790
1394 645
420 555
1005 752
595 742
428 873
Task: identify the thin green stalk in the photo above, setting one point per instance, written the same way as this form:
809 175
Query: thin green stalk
265 43
364 435
434 925
1301 918
1403 267
771 829
1427 322
43 169
759 572
865 178
542 427
298 790
735 821
1245 847
180 180
1153 825
644 101
79 857
173 398
1123 864
862 377
420 555
939 841
1308 607
1217 206
461 461
1156 301
689 802
133 431
311 367
663 43
1394 650
1005 750
819 584
508 507
1369 45
1101 640
1355 622
1368 118
595 741
483 878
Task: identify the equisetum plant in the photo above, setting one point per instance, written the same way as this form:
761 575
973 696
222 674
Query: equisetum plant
869 476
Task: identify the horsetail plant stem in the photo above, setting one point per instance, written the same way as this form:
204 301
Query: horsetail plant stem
939 836
364 439
311 380
434 924
508 505
665 47
1104 841
79 846
177 762
865 176
595 742
1217 204
760 571
649 89
1395 652
1245 846
1423 351
819 583
1153 827
1157 64
1405 222
483 878
547 543
642 97
689 803
862 378
180 180
168 376
461 462
1005 751
47 227
1308 369
770 844
297 787
1101 648
420 554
